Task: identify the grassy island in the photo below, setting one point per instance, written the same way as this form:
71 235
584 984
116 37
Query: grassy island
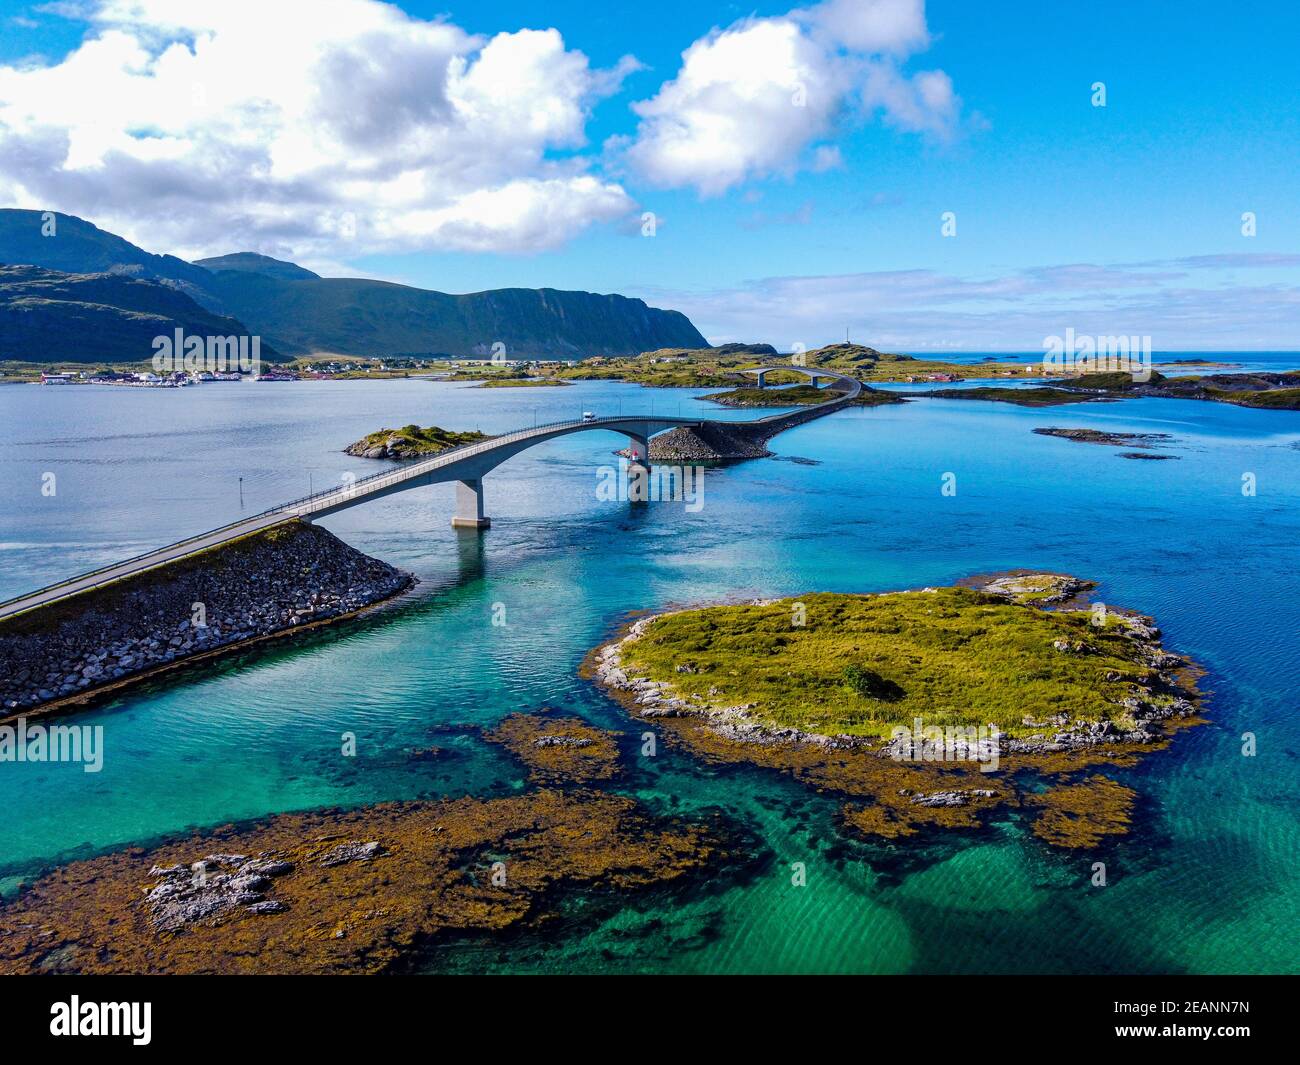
861 664
410 442
1021 397
831 688
522 382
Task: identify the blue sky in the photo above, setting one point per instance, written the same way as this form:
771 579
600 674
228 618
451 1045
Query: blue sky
1118 219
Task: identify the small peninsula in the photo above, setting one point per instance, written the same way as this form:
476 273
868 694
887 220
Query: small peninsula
1020 397
1263 391
523 382
410 442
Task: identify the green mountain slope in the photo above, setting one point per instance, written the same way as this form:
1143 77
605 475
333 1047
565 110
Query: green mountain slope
352 316
48 316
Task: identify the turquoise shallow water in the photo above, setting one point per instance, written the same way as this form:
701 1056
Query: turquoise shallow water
1208 884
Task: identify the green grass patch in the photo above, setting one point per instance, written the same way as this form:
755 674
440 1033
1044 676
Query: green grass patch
798 396
862 664
530 382
1269 399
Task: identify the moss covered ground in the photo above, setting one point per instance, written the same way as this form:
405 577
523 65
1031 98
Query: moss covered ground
953 656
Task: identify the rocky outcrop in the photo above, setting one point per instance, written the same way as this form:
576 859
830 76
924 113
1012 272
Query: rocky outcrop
411 442
1100 436
271 896
275 581
960 797
210 888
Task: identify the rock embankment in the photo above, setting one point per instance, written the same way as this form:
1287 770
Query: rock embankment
272 582
710 442
724 441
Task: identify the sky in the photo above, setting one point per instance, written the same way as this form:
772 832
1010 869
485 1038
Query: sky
951 175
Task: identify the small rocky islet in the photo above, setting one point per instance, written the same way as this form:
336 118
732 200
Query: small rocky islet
411 442
1147 442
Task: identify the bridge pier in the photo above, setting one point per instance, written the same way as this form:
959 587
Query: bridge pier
638 469
638 451
469 505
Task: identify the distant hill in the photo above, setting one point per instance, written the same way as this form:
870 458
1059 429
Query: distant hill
48 316
251 262
299 312
79 247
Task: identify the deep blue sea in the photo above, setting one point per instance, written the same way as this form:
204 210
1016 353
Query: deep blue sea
1208 883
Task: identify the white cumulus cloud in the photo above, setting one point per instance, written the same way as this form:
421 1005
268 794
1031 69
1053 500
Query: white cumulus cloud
753 100
321 128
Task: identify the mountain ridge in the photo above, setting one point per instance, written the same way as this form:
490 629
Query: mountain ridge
300 313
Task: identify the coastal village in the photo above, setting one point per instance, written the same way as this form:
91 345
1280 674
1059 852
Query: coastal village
305 371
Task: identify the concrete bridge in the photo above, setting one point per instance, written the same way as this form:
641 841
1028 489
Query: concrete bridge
817 376
465 465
